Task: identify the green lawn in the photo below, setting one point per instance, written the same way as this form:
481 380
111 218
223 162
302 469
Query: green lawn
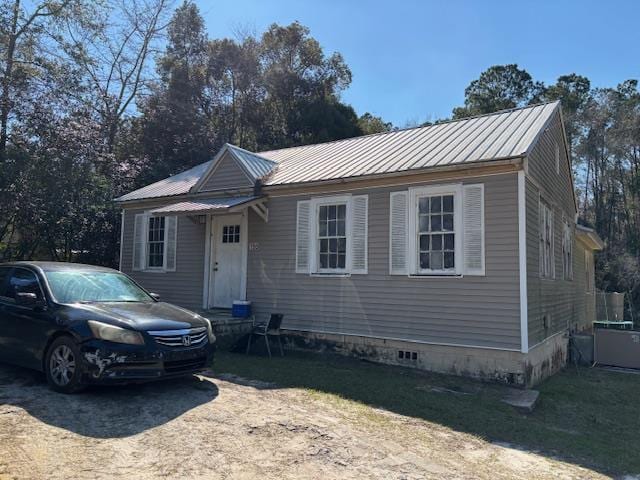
584 416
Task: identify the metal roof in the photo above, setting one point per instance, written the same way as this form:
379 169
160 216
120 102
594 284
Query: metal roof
497 136
207 205
175 185
255 165
590 237
500 135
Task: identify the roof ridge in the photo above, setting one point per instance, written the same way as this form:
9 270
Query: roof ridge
472 117
231 145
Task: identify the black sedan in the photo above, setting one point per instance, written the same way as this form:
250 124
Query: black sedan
82 324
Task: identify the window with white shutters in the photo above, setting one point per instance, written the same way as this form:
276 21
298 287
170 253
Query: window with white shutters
547 260
331 235
437 230
154 242
567 251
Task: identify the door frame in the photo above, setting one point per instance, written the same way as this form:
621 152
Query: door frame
209 256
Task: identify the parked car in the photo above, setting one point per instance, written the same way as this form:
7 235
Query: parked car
83 324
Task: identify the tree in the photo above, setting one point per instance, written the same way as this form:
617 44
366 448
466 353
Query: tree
498 88
274 91
369 124
573 91
115 56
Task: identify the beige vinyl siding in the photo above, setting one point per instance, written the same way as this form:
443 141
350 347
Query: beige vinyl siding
227 175
558 299
184 286
473 311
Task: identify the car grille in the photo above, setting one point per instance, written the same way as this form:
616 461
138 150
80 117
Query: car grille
189 365
180 338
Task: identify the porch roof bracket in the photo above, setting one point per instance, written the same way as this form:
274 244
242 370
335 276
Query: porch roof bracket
261 210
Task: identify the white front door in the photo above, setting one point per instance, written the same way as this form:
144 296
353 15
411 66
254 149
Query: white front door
227 261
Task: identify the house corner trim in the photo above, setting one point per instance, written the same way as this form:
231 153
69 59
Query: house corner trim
522 254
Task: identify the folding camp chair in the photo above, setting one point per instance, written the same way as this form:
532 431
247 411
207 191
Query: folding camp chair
267 329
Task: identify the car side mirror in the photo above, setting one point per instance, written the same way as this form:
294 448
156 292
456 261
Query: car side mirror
155 296
28 299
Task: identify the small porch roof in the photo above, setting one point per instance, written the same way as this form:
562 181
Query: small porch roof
589 237
209 205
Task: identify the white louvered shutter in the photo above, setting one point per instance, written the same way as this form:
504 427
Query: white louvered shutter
398 236
139 229
359 233
473 229
303 237
171 230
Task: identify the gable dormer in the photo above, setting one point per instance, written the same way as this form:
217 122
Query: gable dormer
233 168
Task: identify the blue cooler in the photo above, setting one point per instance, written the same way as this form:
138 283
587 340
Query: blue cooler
241 309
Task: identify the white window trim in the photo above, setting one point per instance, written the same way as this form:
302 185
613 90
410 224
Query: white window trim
315 269
552 260
412 207
567 247
147 267
145 243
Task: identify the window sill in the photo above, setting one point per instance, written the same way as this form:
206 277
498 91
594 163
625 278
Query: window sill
153 270
435 275
330 275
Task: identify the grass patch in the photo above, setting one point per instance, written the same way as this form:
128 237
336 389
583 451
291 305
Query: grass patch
584 416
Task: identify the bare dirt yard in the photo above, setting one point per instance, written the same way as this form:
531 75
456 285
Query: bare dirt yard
224 426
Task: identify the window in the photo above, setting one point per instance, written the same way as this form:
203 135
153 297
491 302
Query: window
155 242
547 261
23 280
231 234
332 237
436 233
567 251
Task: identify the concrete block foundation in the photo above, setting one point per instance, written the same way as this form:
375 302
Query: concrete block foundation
502 366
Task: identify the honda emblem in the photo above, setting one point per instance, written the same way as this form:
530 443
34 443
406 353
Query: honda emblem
186 340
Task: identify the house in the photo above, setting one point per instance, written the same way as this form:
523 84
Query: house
452 247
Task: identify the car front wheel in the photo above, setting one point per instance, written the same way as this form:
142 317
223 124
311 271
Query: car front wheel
62 366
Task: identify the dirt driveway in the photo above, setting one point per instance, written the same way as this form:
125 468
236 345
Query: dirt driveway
226 427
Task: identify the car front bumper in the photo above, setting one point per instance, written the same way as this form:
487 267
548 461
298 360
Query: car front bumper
108 362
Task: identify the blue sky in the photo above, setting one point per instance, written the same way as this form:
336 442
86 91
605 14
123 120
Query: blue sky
411 60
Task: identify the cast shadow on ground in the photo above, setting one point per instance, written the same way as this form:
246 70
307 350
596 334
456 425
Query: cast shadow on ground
104 411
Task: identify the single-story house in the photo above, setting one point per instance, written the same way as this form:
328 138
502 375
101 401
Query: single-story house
452 247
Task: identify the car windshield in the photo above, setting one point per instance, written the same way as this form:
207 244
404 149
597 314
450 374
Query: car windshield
89 286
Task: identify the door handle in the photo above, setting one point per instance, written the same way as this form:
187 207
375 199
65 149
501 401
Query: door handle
215 269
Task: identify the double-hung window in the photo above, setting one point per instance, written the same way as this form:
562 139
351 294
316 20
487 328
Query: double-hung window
155 242
332 237
437 230
567 251
436 233
547 260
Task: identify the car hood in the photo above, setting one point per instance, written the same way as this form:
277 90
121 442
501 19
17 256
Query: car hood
145 315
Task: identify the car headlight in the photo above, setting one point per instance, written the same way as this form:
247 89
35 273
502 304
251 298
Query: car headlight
111 333
212 337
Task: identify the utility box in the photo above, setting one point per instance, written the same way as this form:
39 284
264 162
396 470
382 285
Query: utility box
618 348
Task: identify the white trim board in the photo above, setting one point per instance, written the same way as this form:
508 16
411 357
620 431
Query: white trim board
522 257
